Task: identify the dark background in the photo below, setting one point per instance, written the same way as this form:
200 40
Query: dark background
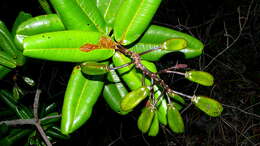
236 71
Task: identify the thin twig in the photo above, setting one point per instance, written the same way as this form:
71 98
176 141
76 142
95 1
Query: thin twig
36 104
44 136
243 111
19 122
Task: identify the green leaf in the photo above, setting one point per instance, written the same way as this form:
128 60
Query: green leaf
151 56
109 9
128 73
209 106
45 6
72 15
6 60
65 46
114 92
133 98
175 120
22 16
40 24
145 119
133 18
200 77
4 71
92 12
80 97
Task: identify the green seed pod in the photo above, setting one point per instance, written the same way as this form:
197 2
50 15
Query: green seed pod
133 18
158 34
209 106
154 129
200 77
145 119
162 112
178 101
175 120
174 44
133 98
94 68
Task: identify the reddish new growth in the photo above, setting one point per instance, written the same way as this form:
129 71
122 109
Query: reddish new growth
104 42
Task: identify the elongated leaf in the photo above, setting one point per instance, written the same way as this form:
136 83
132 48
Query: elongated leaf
22 16
4 71
114 92
45 6
158 34
65 46
133 18
152 56
94 68
80 97
209 106
90 10
128 73
109 9
72 15
7 57
40 24
6 41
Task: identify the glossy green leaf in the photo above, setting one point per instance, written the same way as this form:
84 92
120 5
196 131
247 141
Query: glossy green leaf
128 73
72 15
6 60
65 46
6 41
56 133
145 119
200 77
133 98
162 112
114 92
12 138
149 65
90 10
4 71
109 9
22 16
158 34
94 68
8 99
174 44
154 129
175 120
80 97
40 24
133 18
45 6
209 106
151 56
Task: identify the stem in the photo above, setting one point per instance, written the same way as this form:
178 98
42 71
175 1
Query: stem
137 61
121 66
151 50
